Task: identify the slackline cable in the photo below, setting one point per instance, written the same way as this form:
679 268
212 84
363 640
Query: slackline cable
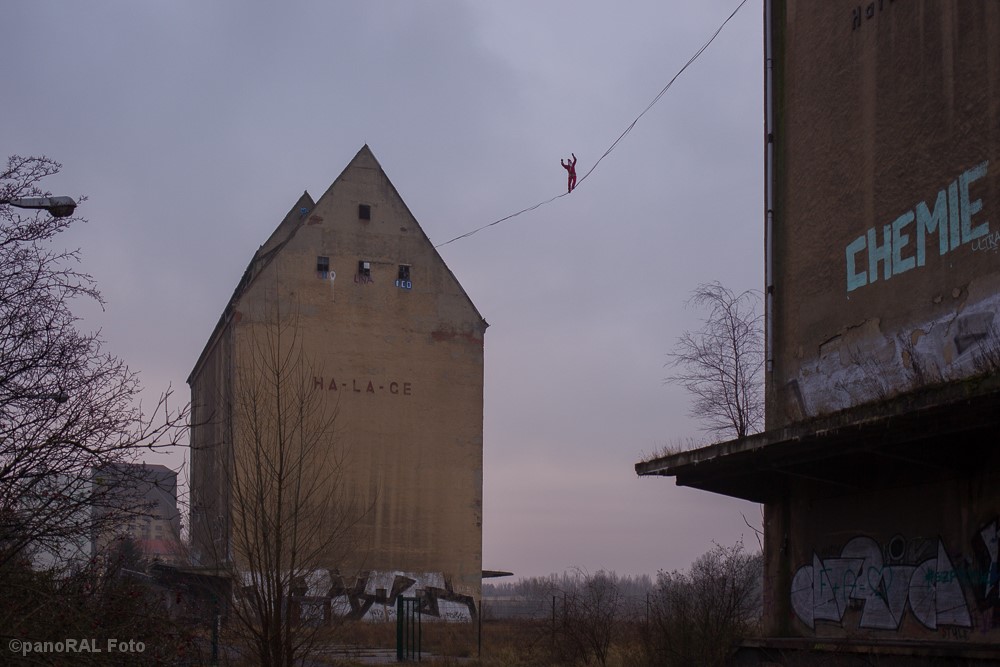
628 129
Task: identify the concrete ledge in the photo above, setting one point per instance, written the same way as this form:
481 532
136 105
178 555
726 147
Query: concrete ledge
824 449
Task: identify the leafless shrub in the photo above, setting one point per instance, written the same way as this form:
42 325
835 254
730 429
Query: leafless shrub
593 615
920 371
696 617
872 379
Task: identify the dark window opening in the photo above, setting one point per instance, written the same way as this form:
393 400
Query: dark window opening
403 277
364 268
322 267
364 212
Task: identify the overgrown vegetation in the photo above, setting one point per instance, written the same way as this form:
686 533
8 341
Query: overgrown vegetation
694 617
67 406
68 409
110 602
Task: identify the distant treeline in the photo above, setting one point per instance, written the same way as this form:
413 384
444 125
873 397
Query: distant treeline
572 581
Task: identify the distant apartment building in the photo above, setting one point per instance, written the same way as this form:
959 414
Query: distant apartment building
144 504
394 350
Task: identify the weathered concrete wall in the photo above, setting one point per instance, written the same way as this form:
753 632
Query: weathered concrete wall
209 443
886 272
886 243
401 364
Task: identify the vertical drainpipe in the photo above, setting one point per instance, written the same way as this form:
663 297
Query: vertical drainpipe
769 186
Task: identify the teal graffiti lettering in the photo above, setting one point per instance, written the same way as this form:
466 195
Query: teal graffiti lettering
881 253
952 218
970 208
822 579
855 279
935 222
899 241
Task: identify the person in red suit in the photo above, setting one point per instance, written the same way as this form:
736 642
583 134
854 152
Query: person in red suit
570 167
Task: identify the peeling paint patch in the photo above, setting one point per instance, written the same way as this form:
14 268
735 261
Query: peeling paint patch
314 220
863 363
971 329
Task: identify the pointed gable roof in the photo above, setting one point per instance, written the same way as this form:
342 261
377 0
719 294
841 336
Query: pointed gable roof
296 217
365 159
260 259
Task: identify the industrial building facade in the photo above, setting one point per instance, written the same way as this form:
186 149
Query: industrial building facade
389 347
879 469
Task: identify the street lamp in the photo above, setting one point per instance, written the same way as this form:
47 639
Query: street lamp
59 207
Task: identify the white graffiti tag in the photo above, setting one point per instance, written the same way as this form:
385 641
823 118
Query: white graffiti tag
825 590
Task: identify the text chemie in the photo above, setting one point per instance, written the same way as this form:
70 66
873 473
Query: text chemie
951 218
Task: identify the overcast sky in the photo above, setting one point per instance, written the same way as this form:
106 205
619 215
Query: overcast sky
194 126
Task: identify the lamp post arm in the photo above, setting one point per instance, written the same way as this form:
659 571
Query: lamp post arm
59 207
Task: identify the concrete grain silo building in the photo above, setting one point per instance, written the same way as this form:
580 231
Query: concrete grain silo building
389 346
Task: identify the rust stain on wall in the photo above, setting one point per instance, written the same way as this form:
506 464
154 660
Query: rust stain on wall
442 335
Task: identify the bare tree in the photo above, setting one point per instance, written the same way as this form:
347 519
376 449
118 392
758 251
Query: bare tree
67 407
594 611
722 363
292 510
695 618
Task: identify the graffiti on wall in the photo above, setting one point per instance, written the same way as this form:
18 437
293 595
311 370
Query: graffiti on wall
861 579
915 577
864 362
950 218
989 243
373 595
991 581
869 12
887 584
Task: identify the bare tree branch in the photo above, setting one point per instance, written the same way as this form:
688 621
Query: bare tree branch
721 364
67 407
292 511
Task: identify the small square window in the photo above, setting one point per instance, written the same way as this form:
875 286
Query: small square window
364 268
403 277
364 212
323 267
